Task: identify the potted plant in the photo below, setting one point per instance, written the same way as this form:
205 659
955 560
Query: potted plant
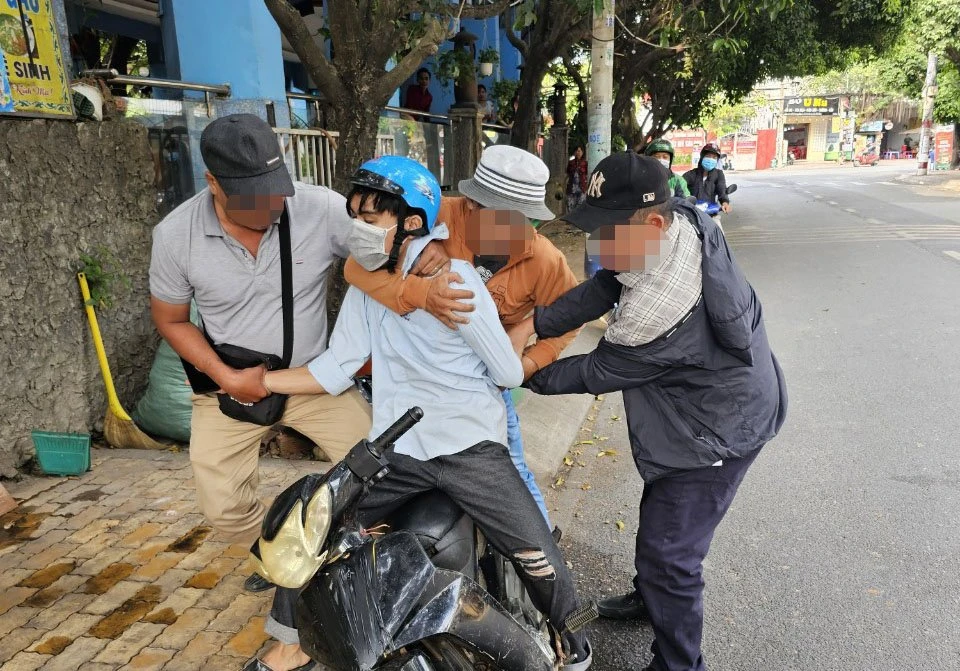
457 65
450 65
488 58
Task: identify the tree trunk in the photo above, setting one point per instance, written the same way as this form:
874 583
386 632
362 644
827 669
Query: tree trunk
357 122
524 132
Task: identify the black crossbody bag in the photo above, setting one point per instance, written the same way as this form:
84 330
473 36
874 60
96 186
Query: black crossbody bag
269 410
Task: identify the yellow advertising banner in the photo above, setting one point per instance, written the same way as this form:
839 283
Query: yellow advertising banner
836 125
33 79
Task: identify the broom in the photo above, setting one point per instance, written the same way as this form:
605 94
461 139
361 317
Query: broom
118 429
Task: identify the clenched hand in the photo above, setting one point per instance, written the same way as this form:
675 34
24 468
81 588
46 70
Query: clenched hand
446 303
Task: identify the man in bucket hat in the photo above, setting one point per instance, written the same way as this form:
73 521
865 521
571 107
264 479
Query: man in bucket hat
702 390
222 249
488 226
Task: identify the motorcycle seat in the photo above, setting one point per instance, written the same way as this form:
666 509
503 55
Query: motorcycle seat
443 529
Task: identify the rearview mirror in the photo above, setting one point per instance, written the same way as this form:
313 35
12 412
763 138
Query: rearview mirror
731 188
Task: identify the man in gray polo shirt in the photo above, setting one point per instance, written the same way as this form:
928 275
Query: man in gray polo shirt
221 249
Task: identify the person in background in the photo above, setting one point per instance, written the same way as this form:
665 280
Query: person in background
662 150
576 193
576 179
707 181
418 95
486 105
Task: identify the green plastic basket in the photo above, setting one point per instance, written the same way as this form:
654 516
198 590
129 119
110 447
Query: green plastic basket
62 453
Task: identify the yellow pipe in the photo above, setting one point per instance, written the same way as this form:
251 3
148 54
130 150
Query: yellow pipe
112 399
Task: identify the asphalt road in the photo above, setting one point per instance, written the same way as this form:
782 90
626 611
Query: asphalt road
842 549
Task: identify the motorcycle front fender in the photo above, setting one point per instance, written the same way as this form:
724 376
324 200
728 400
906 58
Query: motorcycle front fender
462 609
348 615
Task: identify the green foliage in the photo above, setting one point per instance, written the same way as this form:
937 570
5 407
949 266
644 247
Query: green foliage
502 94
489 55
450 63
105 277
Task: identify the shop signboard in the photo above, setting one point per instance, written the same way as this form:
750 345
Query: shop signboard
872 127
35 72
943 146
812 105
6 96
686 147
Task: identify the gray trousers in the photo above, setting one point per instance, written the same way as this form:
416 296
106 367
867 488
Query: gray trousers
486 485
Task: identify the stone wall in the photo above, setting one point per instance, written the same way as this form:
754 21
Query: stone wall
66 189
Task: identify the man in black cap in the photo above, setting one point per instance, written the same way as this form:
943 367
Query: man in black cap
702 390
222 249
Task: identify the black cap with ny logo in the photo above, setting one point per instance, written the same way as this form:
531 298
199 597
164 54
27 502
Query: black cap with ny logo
621 184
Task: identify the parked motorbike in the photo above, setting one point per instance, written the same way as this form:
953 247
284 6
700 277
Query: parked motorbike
424 592
713 208
866 157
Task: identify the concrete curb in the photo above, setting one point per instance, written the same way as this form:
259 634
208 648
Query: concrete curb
550 424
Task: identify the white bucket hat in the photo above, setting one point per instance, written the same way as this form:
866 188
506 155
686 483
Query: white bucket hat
509 178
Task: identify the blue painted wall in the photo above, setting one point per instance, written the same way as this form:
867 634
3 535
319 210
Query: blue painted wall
490 35
235 41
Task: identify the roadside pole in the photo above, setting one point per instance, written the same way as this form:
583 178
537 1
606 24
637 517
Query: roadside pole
929 94
599 114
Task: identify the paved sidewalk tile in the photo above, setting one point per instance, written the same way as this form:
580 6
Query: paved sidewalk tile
117 570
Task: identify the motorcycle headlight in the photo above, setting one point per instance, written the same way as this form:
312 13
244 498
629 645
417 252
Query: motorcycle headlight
293 555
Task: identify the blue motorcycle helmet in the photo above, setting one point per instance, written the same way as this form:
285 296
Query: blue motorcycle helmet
412 184
407 179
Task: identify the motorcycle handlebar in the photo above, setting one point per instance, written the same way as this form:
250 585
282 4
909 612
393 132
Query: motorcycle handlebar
397 429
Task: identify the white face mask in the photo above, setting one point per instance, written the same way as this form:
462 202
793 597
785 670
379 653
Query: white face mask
367 244
665 162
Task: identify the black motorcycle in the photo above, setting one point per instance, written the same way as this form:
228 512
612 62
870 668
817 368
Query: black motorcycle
423 592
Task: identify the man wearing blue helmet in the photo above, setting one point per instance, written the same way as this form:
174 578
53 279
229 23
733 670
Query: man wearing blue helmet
454 375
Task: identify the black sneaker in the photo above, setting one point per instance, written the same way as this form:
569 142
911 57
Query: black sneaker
257 583
627 607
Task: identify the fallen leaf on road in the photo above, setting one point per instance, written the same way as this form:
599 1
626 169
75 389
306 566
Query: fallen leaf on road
585 442
607 453
559 482
591 418
586 486
567 461
600 397
614 418
620 525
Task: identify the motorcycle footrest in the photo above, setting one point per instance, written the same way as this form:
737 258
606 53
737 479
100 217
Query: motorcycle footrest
580 617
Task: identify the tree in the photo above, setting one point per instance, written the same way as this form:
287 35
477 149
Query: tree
365 36
931 24
548 28
703 50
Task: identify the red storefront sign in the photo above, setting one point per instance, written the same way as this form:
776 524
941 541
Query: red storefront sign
943 147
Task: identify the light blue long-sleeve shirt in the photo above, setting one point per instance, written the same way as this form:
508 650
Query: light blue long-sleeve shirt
454 375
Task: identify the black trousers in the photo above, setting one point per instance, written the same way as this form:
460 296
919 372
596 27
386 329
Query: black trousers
487 486
678 517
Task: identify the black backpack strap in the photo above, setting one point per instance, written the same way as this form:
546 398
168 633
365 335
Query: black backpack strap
286 283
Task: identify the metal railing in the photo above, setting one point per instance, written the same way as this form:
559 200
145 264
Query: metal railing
113 77
311 155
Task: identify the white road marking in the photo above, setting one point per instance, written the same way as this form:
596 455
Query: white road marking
952 254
